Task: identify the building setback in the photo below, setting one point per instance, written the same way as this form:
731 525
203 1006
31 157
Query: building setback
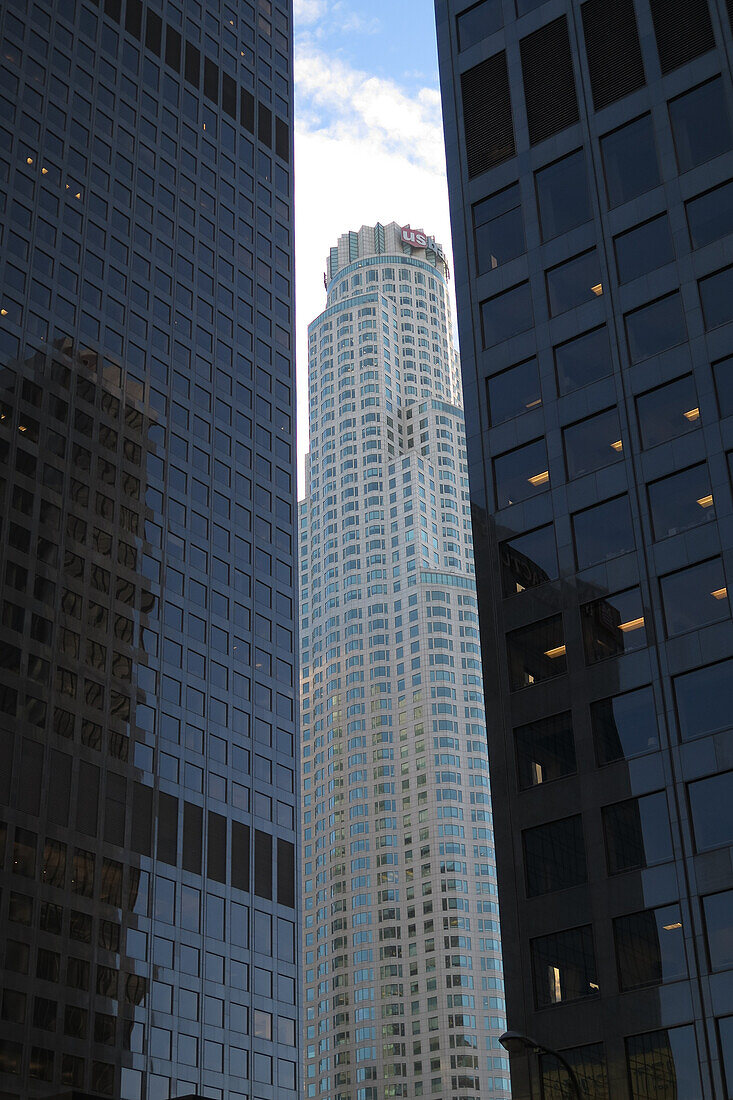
148 774
403 992
590 155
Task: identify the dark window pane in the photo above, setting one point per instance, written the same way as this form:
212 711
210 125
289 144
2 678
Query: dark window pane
562 195
624 726
589 1066
630 160
479 22
637 833
695 596
613 625
653 328
681 501
593 443
710 216
700 124
545 750
650 947
564 967
664 1064
723 374
725 1029
506 314
514 391
644 249
711 802
528 560
574 282
716 295
718 909
705 700
498 229
668 411
536 652
524 6
521 473
554 856
583 360
603 532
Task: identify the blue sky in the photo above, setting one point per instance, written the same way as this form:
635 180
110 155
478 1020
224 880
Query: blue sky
368 136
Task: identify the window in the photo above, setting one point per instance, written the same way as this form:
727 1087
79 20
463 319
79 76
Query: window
664 1063
498 227
574 282
506 314
554 856
536 653
637 833
521 473
681 501
700 124
528 560
650 947
589 1066
705 700
624 726
593 443
562 195
613 625
603 532
583 360
630 160
711 803
545 750
725 1030
643 249
710 216
654 328
723 375
668 411
715 294
564 967
514 391
695 596
479 22
718 910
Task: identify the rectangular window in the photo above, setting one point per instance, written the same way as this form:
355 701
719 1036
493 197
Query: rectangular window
536 653
643 249
564 967
589 1067
705 700
723 375
514 391
725 1031
593 443
498 227
528 560
668 411
574 282
718 910
613 625
710 216
521 473
554 856
711 804
664 1064
545 750
653 328
681 501
700 124
624 726
650 947
637 833
479 22
583 360
716 295
506 314
695 596
630 160
603 532
562 195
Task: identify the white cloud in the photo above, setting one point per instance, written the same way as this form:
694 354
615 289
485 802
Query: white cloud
309 11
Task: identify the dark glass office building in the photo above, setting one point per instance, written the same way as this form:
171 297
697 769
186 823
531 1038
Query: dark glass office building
590 154
148 900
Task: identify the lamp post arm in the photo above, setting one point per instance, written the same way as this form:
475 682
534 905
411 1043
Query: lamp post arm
564 1062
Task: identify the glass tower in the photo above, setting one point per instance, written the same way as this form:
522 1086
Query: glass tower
403 991
148 774
590 151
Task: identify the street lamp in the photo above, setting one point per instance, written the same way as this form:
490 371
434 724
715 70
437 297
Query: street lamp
513 1043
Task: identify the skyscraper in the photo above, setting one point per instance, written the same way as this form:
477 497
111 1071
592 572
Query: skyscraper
147 753
403 987
590 153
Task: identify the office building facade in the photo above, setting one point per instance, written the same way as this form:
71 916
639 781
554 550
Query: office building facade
148 771
403 982
590 153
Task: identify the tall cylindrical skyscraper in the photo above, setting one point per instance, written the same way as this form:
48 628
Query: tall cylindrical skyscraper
403 978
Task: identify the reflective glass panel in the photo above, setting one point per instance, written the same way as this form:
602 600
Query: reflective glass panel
681 501
711 802
603 532
479 22
653 328
498 229
664 1064
564 967
637 833
718 910
723 375
650 947
574 282
593 443
613 625
716 295
589 1066
630 160
643 249
521 473
562 195
668 411
583 360
695 597
554 856
624 726
710 216
705 700
514 391
545 750
506 314
700 124
536 652
528 560
725 1030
